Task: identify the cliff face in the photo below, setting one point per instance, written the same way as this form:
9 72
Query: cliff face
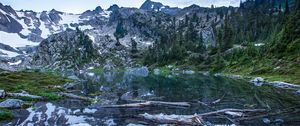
70 49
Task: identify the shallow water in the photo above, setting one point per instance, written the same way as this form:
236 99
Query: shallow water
112 87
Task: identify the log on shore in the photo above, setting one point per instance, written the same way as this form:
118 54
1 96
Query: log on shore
24 95
70 95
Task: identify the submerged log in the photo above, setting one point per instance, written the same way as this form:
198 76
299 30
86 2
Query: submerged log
174 119
150 103
197 118
228 111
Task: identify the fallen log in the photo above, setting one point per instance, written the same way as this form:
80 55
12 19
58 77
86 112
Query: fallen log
226 111
174 119
24 95
150 103
70 95
197 118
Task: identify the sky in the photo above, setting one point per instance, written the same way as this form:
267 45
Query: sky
79 6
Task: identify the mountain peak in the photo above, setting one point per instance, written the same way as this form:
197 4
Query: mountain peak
98 9
150 5
113 7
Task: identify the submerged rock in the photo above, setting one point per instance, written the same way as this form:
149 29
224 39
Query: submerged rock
12 103
266 120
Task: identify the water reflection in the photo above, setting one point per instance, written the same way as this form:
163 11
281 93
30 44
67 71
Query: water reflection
114 87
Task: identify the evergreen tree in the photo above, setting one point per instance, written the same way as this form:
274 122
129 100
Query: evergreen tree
120 32
297 5
287 9
133 46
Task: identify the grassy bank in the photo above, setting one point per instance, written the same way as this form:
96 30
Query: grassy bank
34 82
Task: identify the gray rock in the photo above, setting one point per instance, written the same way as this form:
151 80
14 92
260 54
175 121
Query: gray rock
258 81
12 103
156 71
266 120
2 94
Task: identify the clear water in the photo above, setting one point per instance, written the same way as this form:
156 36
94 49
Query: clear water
110 88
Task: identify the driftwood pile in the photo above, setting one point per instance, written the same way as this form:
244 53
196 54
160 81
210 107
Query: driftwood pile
233 115
197 119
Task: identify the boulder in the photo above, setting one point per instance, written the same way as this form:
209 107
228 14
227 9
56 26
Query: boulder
12 103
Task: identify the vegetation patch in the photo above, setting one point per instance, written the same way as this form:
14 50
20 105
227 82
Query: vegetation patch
5 114
34 82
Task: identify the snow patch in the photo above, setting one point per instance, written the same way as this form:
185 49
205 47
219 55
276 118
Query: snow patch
81 124
85 27
92 37
87 110
8 53
15 63
106 14
45 31
69 18
14 40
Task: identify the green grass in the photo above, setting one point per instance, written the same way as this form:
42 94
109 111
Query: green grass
34 82
50 96
270 69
